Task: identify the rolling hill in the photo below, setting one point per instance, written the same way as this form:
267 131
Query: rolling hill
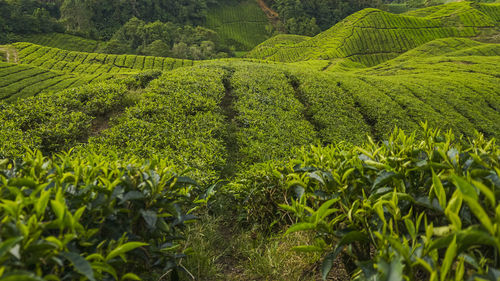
372 36
241 24
376 136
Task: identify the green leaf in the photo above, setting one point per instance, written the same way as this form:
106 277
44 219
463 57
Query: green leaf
41 203
124 248
465 187
486 191
410 226
480 214
384 178
455 202
150 217
320 213
6 245
104 267
81 265
287 208
451 252
347 173
353 236
439 190
59 209
131 276
300 227
327 264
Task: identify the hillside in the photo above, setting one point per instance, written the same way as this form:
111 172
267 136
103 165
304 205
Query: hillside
367 152
241 24
62 41
372 36
40 69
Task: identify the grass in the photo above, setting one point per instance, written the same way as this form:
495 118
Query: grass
226 251
241 25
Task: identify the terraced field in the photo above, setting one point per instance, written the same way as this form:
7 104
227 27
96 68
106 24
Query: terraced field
80 62
20 81
371 36
33 69
62 41
242 25
276 141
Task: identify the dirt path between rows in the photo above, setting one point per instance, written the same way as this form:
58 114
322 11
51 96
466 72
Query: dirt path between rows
273 17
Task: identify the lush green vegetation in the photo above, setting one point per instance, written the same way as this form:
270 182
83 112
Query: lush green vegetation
311 17
407 208
372 36
62 41
93 63
59 222
20 81
241 25
131 167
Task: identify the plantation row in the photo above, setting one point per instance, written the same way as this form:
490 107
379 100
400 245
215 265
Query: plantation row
21 81
62 41
451 47
372 36
406 208
92 63
409 208
242 25
194 115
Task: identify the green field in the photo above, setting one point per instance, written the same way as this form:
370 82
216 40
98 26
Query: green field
367 152
241 25
372 36
62 41
43 69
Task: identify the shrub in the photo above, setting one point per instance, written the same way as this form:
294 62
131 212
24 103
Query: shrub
72 216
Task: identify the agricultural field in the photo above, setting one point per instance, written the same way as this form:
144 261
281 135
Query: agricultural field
242 24
368 152
372 36
21 81
92 63
41 69
62 41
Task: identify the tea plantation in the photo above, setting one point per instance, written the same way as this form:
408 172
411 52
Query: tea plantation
367 152
372 36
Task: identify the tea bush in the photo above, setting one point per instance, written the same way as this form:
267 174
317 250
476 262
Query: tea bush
404 208
75 216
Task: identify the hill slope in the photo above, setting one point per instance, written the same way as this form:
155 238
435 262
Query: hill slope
372 36
241 24
262 110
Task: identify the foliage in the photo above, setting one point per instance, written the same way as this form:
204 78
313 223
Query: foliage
372 36
310 17
55 123
92 63
62 41
241 25
75 216
27 16
160 39
402 208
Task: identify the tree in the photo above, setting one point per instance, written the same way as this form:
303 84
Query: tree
77 16
180 50
158 49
